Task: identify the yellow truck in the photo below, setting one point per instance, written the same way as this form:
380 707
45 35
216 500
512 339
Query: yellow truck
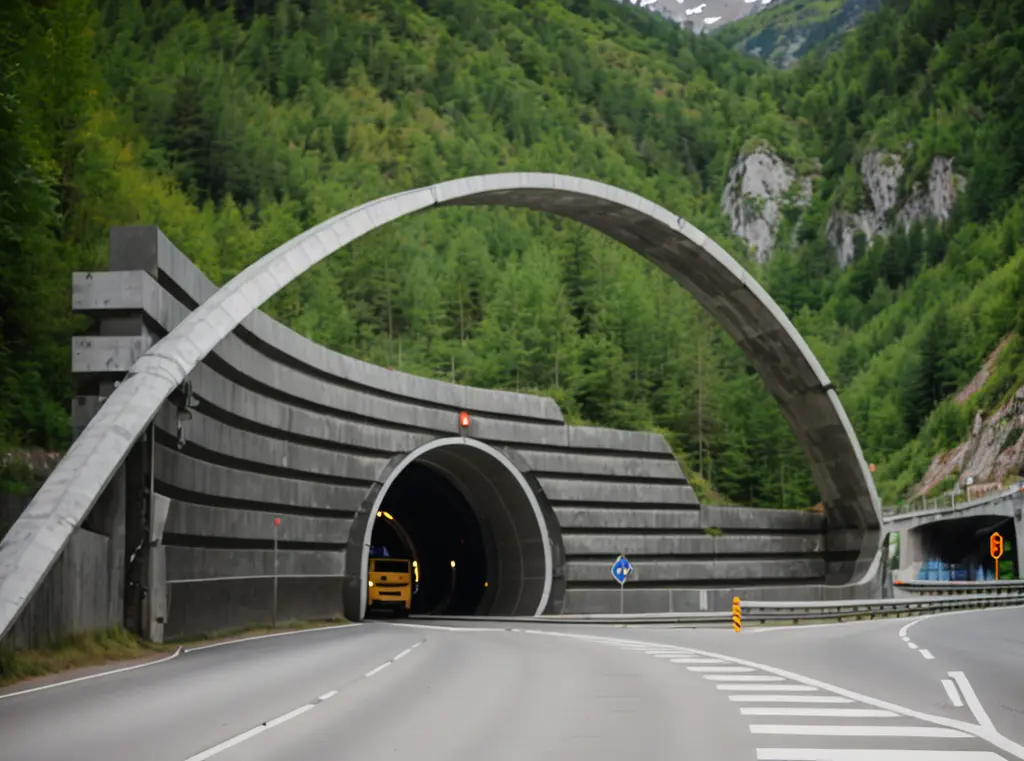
390 585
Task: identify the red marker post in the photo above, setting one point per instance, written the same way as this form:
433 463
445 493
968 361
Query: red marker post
273 613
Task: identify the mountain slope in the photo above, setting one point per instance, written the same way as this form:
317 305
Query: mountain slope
785 32
236 127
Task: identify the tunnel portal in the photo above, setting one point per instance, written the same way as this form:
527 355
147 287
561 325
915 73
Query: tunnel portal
425 518
477 530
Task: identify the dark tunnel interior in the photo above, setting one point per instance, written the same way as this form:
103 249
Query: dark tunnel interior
964 545
423 517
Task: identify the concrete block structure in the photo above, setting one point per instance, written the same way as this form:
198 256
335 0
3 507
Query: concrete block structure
203 420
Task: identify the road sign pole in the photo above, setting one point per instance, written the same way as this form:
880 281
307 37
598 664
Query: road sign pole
621 571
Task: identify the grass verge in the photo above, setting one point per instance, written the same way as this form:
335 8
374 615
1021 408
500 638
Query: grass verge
116 645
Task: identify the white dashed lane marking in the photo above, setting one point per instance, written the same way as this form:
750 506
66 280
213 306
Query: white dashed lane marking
764 691
261 728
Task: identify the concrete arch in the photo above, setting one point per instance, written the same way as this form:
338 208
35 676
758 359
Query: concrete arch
505 504
733 297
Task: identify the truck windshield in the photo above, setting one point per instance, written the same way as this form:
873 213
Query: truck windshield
391 566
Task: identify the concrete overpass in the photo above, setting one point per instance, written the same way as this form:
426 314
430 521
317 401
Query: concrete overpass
201 420
958 533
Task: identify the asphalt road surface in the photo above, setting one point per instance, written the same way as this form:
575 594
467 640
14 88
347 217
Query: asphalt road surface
846 692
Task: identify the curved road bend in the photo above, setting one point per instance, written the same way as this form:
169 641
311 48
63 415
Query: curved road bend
850 692
905 660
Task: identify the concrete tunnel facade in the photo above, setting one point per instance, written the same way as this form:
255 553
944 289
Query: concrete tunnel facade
271 424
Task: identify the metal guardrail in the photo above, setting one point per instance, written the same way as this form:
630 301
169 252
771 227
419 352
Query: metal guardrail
764 612
960 587
947 502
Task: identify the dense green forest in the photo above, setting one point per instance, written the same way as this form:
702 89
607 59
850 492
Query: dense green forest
236 124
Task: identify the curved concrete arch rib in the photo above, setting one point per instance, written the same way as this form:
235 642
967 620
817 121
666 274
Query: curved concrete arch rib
746 311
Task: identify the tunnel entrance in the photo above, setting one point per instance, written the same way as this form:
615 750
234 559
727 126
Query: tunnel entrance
958 549
423 517
483 540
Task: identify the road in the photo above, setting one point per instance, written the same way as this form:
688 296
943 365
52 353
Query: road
846 692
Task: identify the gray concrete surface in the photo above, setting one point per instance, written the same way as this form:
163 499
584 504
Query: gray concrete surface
466 691
284 426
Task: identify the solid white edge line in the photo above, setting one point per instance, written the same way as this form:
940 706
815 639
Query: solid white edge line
850 713
855 730
269 636
919 619
754 697
985 732
954 696
719 669
927 654
971 698
377 670
767 687
873 754
88 677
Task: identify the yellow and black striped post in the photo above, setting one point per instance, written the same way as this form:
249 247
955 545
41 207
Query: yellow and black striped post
737 615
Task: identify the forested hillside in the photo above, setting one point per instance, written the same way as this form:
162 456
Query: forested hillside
236 125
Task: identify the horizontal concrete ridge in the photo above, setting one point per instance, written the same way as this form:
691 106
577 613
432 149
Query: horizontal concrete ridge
194 520
703 570
253 452
639 442
661 544
217 482
250 365
760 519
597 492
608 466
572 518
255 410
192 563
163 257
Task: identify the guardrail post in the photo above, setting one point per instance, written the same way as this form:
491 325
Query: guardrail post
737 615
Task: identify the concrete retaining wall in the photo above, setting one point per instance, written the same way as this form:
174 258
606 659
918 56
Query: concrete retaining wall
284 427
74 598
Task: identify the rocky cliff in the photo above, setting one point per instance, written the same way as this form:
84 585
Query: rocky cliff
993 453
759 188
881 174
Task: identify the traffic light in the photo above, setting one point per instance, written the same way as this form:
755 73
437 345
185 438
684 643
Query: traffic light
995 546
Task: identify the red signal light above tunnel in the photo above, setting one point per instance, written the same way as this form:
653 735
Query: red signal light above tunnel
464 419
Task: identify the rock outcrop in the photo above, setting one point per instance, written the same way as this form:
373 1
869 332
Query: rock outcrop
993 453
881 174
759 187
